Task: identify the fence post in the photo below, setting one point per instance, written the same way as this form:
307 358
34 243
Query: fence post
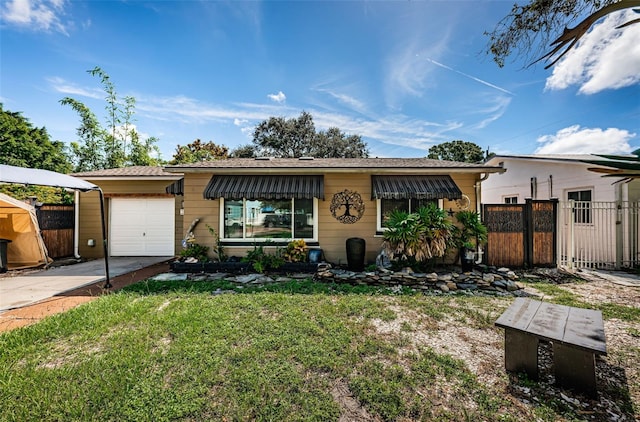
571 218
554 201
528 233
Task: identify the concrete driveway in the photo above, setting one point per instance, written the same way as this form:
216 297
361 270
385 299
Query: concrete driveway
28 288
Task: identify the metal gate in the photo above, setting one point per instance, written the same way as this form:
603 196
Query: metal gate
521 235
598 234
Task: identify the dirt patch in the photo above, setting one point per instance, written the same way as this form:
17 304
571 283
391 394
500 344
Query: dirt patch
482 351
350 407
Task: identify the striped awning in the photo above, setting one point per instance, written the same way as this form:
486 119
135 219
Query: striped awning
414 187
176 188
265 187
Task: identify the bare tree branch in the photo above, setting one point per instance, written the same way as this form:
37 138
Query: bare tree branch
571 36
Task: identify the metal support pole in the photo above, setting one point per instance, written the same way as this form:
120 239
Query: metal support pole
107 284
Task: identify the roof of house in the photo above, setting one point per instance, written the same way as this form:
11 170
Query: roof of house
582 158
135 172
625 166
316 165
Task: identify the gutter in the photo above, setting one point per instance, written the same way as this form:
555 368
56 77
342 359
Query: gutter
477 185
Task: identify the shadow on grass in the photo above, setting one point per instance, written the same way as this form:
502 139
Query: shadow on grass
613 397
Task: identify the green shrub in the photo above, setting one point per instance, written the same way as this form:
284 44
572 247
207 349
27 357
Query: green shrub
195 250
262 261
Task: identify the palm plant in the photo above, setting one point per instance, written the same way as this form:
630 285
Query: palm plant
417 236
471 232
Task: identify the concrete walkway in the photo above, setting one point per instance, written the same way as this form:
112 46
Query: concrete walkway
31 287
616 277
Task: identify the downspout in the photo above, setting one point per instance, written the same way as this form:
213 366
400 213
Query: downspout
485 176
76 226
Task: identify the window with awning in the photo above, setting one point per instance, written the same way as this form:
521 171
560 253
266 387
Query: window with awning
266 207
409 193
265 187
414 187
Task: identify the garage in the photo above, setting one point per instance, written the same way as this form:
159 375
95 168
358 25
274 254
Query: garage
142 227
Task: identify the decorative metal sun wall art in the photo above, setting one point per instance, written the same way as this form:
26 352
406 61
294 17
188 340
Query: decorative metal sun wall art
347 206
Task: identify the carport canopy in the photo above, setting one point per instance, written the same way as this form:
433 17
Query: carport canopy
28 176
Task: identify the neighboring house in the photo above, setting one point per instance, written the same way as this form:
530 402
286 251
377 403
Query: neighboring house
142 217
597 224
558 176
323 201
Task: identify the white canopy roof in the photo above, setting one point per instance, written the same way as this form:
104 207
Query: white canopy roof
26 176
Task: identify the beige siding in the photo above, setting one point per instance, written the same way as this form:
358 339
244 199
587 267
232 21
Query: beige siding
195 206
90 226
332 235
179 218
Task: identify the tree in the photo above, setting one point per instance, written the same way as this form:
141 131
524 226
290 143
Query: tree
199 151
89 152
466 152
244 151
528 29
335 144
291 138
119 144
23 145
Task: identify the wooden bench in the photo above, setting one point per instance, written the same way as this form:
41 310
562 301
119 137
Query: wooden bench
577 335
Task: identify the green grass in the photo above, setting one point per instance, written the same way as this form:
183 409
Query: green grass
554 293
161 351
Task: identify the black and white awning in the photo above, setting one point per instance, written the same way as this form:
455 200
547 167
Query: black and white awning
265 187
414 187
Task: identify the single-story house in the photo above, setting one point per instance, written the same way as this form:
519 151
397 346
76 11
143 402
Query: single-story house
142 217
561 176
324 201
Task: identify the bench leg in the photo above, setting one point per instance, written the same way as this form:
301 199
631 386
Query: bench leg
521 353
575 369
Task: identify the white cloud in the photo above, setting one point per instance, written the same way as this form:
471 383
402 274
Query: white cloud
605 58
577 140
496 108
240 122
69 88
38 15
278 98
345 99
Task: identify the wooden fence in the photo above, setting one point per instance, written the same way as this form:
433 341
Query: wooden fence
521 235
57 224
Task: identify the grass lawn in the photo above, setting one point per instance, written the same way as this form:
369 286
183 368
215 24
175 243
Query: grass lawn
294 351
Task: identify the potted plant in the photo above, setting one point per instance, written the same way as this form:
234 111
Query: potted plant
468 236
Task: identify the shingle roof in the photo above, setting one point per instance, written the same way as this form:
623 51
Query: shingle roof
328 163
133 171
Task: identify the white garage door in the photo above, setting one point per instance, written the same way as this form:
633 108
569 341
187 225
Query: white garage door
142 227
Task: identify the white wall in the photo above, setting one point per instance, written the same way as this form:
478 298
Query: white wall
564 175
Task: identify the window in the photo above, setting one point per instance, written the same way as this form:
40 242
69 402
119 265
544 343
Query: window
582 206
510 199
386 206
257 220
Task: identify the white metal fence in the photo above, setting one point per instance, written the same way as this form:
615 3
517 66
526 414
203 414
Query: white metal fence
598 234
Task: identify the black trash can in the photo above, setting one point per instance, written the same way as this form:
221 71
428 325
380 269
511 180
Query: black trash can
3 255
355 253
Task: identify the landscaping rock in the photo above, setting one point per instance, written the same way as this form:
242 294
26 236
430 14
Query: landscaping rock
170 277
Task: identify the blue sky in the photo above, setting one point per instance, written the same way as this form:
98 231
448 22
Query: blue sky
403 75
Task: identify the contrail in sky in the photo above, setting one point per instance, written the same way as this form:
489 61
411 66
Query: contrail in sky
471 77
